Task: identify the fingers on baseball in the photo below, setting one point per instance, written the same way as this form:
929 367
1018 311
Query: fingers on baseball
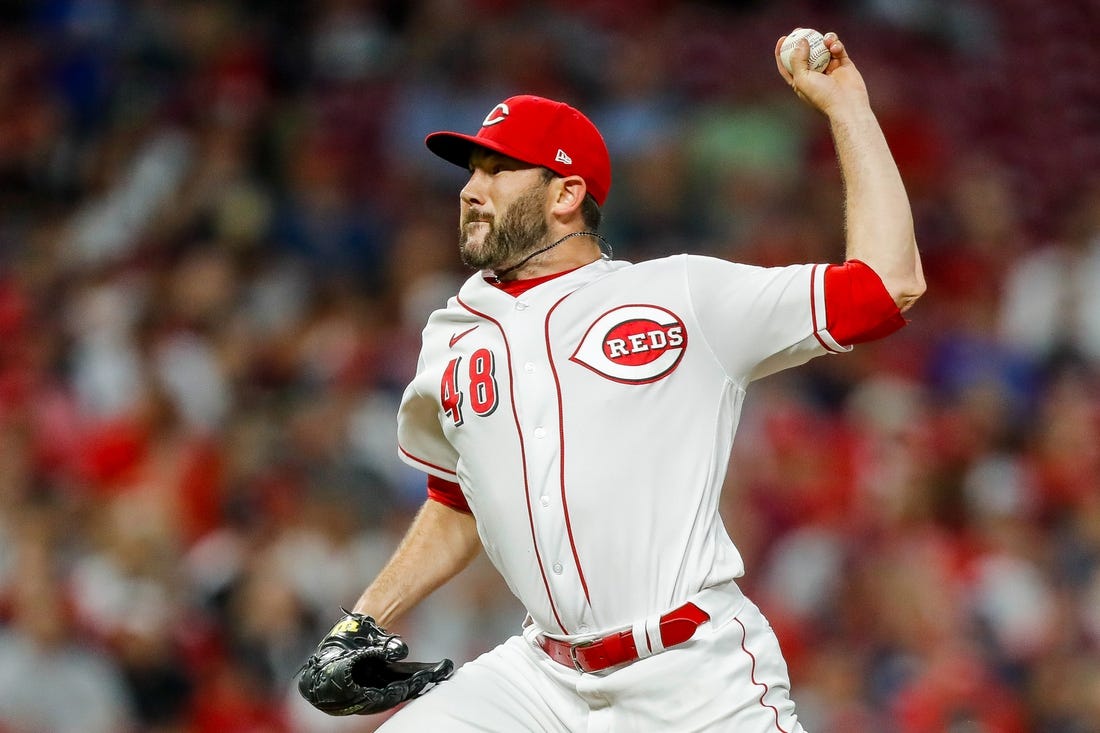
800 58
801 54
836 49
779 62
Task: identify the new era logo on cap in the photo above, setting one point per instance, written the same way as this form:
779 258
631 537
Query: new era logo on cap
538 131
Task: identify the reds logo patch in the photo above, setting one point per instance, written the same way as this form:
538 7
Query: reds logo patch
634 344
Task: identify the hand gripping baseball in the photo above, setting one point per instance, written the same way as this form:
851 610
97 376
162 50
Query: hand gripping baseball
357 670
837 85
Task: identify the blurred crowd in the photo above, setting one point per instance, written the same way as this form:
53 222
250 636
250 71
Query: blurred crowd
220 235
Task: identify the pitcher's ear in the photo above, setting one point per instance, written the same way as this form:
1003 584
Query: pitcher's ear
570 193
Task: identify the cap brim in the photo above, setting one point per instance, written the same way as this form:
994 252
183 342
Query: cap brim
454 147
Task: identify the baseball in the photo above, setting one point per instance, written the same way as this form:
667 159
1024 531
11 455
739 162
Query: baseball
819 52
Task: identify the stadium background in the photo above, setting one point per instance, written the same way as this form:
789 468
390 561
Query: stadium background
220 234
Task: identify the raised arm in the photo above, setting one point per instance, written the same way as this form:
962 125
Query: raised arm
878 218
439 544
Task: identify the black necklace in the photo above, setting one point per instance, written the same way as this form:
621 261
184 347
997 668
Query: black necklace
603 243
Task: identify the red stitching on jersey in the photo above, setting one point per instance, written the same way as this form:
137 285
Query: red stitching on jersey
813 311
422 462
522 457
561 456
813 306
752 676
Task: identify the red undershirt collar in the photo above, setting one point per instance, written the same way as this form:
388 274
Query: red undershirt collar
515 288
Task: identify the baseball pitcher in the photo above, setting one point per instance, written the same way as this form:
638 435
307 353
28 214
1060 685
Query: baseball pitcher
575 414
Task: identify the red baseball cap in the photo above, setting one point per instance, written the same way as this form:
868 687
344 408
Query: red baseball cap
538 131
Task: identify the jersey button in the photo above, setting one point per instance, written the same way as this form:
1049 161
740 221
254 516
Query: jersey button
545 500
557 568
520 305
529 368
540 432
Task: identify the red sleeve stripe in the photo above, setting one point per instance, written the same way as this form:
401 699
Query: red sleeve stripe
447 493
860 307
819 313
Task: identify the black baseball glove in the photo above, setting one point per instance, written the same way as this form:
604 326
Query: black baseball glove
356 670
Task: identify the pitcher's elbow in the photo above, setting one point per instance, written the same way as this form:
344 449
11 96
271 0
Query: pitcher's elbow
910 292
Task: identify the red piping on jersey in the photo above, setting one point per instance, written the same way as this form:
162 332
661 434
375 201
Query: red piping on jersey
523 459
425 463
561 455
752 676
813 309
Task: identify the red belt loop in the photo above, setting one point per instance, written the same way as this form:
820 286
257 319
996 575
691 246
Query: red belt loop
677 626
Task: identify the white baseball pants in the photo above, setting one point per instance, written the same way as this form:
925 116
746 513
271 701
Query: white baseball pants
730 676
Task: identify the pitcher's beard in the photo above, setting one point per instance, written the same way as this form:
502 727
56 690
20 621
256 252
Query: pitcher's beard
520 229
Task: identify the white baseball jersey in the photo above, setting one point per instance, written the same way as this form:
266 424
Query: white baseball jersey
589 423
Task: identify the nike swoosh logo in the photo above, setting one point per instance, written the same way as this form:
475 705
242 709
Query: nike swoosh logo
457 336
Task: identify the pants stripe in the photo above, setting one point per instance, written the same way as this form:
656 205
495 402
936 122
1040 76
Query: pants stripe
752 675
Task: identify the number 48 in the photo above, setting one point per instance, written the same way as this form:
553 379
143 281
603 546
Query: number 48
482 386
